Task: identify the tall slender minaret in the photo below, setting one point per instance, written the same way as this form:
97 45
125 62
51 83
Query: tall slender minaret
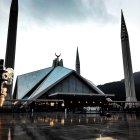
127 64
77 64
11 38
11 41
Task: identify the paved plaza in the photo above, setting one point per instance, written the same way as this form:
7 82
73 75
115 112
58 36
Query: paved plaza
59 126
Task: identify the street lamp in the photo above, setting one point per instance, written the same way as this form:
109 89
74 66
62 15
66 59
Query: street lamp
6 78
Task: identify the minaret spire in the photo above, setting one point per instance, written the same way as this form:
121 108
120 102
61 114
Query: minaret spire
128 72
11 37
77 65
124 33
11 40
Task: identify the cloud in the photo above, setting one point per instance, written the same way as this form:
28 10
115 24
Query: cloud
4 17
66 10
4 8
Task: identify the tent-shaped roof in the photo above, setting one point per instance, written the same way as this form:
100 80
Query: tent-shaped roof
26 82
54 77
38 82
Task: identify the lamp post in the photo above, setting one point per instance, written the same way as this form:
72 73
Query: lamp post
6 78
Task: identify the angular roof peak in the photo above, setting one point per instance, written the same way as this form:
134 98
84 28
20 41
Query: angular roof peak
26 82
56 75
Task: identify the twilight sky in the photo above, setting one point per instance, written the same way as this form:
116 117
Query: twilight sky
49 26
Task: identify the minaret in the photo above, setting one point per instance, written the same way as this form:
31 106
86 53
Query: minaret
127 64
77 65
11 38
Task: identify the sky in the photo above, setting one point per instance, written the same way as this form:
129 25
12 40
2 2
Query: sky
46 27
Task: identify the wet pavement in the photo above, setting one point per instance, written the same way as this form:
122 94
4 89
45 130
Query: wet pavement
59 126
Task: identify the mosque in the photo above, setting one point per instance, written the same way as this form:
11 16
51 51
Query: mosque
58 84
52 87
58 87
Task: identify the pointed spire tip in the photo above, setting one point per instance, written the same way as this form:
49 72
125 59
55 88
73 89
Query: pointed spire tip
77 48
122 13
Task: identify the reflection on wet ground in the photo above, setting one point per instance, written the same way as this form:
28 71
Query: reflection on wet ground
59 126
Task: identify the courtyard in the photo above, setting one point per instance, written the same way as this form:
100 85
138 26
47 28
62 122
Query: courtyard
62 126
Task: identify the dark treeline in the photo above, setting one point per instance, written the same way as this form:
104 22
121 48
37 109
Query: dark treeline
118 88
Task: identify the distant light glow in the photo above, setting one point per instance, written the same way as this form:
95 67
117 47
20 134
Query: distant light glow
62 104
2 99
62 121
52 104
105 138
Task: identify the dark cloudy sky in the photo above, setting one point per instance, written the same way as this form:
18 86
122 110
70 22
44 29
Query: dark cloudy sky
49 26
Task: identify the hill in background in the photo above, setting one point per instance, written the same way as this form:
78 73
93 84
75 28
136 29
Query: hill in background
118 88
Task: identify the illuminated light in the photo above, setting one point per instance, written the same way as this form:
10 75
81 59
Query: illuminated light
2 96
52 104
4 91
62 104
71 120
51 123
86 102
71 102
62 121
2 99
93 102
8 75
79 120
100 102
104 138
78 101
9 134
